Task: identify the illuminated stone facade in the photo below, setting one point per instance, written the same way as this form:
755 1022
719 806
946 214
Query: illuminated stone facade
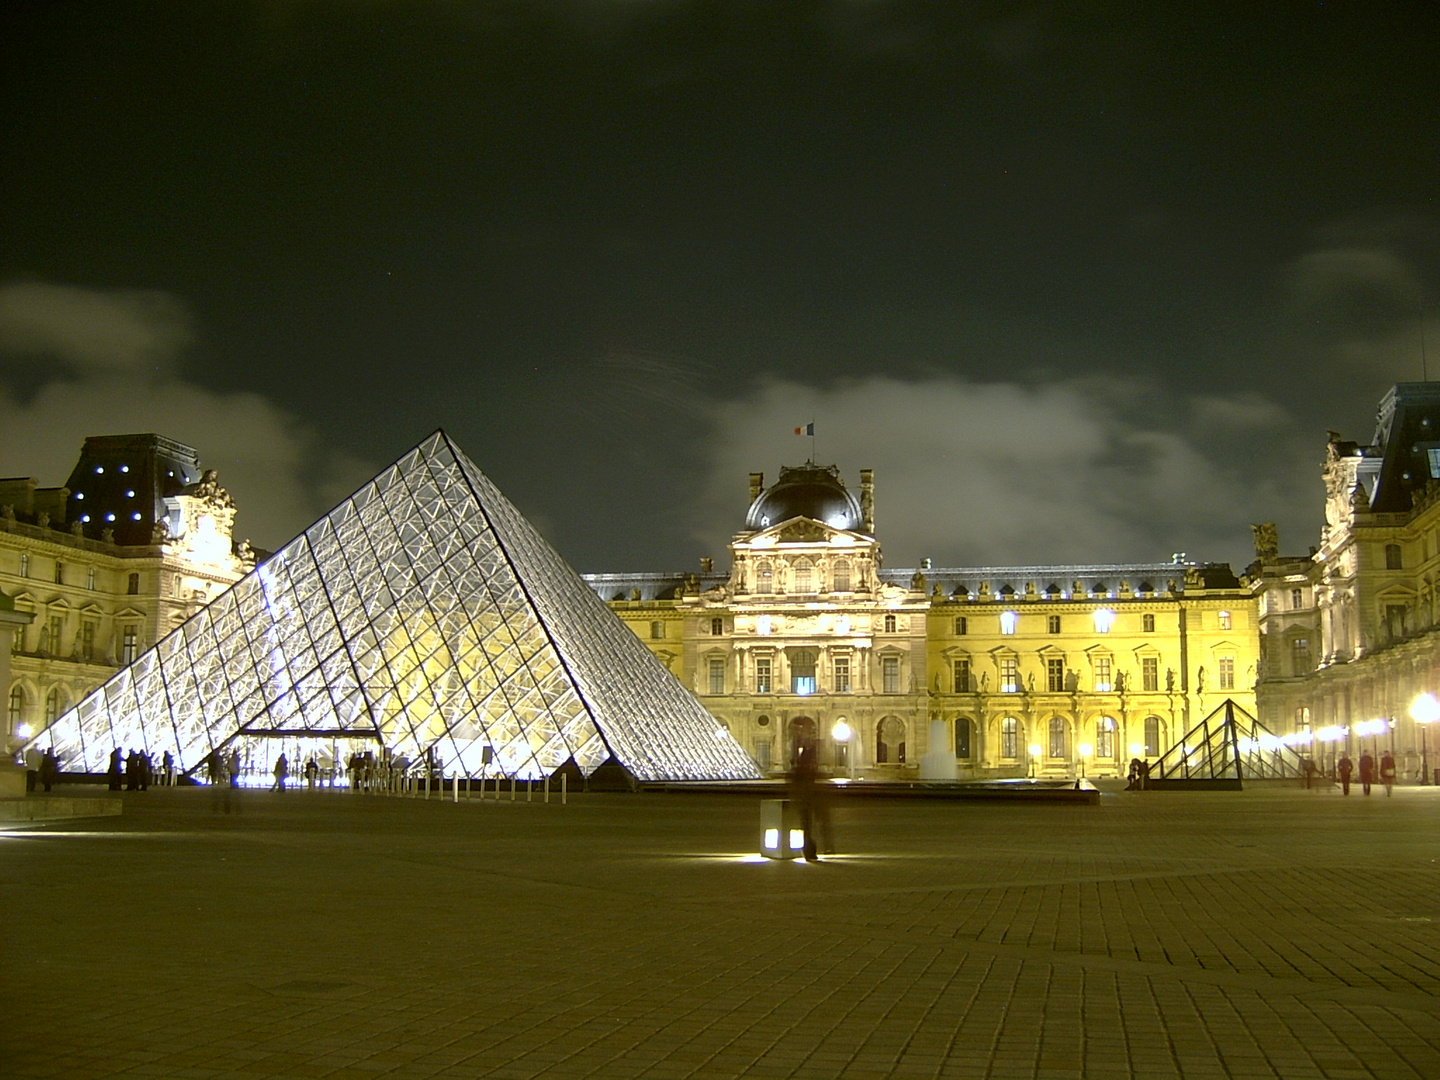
137 540
938 672
1349 632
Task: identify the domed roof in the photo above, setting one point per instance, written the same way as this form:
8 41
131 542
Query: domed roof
810 490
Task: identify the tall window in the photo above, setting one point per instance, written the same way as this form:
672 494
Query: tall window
87 640
1105 737
1008 622
842 674
1395 620
1150 673
717 627
17 706
55 631
962 737
763 675
17 643
1147 623
1054 674
764 578
1227 673
59 572
1010 738
1152 736
129 644
90 578
890 674
962 625
804 577
962 676
1392 557
132 585
1052 624
657 630
841 575
1104 619
24 564
890 624
1103 677
1297 598
1300 654
1057 737
1223 618
717 676
802 672
1009 674
762 754
52 706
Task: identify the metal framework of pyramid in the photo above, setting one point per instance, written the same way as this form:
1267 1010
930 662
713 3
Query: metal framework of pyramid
425 615
1224 749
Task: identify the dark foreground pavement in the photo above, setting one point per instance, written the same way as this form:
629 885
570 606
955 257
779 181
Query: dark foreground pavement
1262 934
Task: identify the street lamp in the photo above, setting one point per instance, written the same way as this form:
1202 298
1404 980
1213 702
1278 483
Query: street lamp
841 734
1424 710
1085 751
1034 757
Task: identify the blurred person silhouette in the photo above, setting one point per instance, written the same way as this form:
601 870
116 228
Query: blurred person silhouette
1346 767
1367 771
113 773
810 801
282 770
1387 772
49 769
312 770
234 768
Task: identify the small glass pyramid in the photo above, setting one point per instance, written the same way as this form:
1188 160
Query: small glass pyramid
423 617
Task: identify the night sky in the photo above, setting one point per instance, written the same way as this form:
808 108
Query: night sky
1082 282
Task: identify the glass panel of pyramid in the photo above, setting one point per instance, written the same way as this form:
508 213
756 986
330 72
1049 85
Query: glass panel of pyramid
425 616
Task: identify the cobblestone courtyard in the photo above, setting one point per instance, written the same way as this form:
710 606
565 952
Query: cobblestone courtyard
1261 934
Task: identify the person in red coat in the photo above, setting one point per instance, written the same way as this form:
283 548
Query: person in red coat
1367 771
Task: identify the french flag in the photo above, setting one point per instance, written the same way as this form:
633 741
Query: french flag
808 429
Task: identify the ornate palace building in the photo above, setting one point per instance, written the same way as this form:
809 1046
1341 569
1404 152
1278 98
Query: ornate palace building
938 672
95 572
1349 632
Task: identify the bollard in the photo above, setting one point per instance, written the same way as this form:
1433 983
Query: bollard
564 788
512 787
547 789
457 788
529 789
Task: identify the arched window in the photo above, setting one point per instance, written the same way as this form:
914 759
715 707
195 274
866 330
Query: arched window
24 564
657 630
52 706
1057 737
1223 618
890 741
804 576
764 578
963 728
1010 738
17 706
1152 736
1105 737
841 576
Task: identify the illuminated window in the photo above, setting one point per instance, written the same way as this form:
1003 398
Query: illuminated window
890 675
1223 618
1104 619
842 674
1297 598
1103 683
1392 557
1152 736
717 627
1009 674
1052 624
1010 738
962 737
890 624
129 643
1008 621
764 578
1227 673
657 630
962 676
1057 737
762 625
962 626
1150 673
804 576
841 575
717 676
1054 674
1147 623
802 672
763 675
1302 717
1105 737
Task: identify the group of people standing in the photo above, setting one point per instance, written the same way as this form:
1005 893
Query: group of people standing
1346 769
135 771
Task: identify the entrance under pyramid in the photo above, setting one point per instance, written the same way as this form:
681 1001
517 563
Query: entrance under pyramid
421 620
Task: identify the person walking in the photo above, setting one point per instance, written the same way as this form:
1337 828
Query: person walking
282 770
1346 767
1387 773
1367 771
312 770
49 769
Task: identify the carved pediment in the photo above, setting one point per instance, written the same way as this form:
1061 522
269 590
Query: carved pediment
802 531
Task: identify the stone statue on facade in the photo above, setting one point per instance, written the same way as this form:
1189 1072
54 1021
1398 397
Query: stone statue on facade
1267 541
1169 680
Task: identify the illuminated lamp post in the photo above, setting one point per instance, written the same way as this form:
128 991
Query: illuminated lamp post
1034 757
1085 751
1424 710
841 733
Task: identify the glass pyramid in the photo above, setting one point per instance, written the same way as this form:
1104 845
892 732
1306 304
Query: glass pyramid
423 616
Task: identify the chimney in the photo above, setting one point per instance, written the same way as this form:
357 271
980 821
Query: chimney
867 501
757 485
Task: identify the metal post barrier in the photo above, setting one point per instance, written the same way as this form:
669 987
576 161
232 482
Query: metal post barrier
564 788
457 788
529 789
547 789
512 787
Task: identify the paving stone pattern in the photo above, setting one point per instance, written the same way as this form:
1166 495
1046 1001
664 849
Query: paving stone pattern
1271 933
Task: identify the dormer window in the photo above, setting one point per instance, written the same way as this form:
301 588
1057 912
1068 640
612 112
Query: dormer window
804 576
1223 618
840 575
890 624
764 578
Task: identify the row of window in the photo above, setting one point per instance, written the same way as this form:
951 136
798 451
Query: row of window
132 582
1103 619
1058 679
55 704
803 663
805 577
52 639
1105 746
